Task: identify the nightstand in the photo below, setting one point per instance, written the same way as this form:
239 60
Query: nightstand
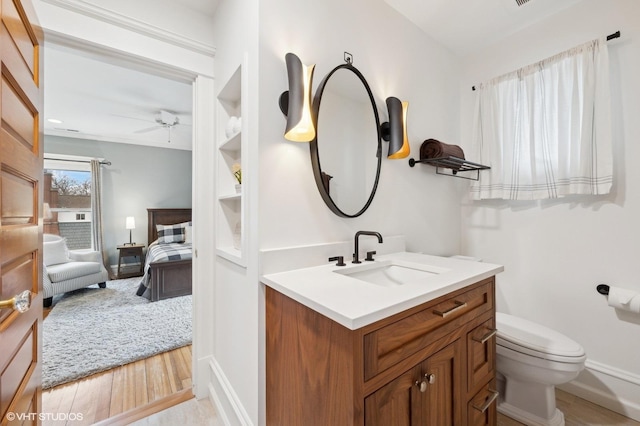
130 250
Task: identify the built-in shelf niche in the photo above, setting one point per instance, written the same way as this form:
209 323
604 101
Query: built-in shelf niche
231 212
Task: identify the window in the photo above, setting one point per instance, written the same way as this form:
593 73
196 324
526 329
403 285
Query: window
545 129
67 198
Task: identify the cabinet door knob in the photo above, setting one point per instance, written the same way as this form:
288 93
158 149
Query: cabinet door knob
428 379
20 302
422 385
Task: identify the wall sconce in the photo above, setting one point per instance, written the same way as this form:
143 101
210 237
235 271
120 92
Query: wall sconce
130 223
395 130
295 104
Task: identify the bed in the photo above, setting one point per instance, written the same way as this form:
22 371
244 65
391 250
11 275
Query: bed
168 275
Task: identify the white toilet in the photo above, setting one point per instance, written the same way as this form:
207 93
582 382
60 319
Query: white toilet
531 361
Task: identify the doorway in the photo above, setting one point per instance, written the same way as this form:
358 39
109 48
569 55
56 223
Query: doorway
139 64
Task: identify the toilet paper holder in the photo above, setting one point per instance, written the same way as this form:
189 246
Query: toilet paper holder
603 289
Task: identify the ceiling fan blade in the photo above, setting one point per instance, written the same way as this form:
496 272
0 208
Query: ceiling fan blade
133 118
148 129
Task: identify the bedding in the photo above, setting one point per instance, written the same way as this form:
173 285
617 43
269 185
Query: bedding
171 233
167 278
162 252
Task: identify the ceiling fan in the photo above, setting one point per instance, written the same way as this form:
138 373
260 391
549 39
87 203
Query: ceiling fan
165 120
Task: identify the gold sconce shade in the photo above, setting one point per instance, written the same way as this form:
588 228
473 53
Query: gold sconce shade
395 131
295 104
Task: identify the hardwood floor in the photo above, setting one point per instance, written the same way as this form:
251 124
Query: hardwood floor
579 412
113 392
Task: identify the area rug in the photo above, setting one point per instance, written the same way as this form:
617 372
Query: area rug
95 329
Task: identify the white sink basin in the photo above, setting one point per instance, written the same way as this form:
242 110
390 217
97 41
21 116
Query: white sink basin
391 273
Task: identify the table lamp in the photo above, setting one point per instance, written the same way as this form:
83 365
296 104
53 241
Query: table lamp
130 224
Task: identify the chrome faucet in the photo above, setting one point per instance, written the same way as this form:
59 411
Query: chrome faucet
356 244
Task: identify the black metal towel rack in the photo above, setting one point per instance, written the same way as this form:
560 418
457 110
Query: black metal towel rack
454 164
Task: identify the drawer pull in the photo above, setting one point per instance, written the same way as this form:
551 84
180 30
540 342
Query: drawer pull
492 332
487 401
459 305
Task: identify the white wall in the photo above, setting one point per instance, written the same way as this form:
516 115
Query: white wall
235 367
162 14
398 60
556 252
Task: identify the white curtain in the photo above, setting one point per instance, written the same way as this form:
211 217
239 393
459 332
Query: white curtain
96 212
545 129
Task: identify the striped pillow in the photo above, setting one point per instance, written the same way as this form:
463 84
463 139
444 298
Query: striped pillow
170 233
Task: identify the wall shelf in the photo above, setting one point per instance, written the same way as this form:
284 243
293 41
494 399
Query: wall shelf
230 197
231 209
454 165
232 143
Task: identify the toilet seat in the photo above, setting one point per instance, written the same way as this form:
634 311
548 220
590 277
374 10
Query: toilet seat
536 340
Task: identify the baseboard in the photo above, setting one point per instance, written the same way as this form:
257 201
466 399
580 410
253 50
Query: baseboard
144 411
609 387
228 405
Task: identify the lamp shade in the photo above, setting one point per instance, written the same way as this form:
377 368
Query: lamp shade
130 222
300 126
397 137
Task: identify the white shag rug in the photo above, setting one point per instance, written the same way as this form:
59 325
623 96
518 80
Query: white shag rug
95 329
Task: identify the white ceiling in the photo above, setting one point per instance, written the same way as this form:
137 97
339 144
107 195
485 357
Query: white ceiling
466 25
96 100
99 101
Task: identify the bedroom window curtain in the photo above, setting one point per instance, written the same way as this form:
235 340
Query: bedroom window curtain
96 212
545 129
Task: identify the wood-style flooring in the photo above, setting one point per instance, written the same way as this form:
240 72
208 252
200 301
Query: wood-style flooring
113 392
579 412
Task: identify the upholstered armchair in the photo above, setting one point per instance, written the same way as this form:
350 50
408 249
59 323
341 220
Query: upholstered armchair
66 270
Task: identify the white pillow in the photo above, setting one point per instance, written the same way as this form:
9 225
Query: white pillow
55 252
188 233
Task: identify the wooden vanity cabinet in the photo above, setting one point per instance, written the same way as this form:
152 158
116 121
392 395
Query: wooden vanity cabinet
433 364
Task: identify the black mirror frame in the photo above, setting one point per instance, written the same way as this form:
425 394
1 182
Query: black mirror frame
315 159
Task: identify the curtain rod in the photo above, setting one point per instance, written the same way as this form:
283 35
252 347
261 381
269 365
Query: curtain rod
107 163
609 37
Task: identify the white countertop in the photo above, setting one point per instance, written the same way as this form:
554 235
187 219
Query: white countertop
355 303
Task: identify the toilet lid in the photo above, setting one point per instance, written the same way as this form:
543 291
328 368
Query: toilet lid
517 332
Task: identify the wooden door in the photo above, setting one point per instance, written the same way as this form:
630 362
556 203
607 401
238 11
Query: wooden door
444 392
21 154
399 403
428 394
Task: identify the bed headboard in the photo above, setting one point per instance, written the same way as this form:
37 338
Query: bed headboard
164 217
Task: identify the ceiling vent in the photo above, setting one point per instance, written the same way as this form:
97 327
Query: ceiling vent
521 2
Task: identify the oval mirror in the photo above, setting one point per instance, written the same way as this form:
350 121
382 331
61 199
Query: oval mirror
345 153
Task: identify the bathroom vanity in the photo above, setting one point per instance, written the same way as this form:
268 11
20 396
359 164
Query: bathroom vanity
405 340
